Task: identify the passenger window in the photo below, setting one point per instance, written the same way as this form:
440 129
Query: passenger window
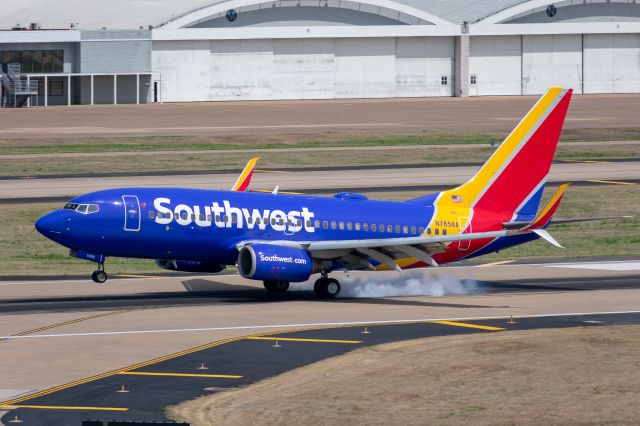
349 226
436 231
381 228
421 229
341 224
444 232
208 218
365 226
325 224
184 215
258 221
273 220
193 216
333 224
405 229
234 219
249 220
357 226
428 231
389 228
151 214
397 229
374 227
413 229
317 224
218 218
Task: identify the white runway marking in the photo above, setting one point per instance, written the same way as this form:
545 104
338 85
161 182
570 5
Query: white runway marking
307 325
604 266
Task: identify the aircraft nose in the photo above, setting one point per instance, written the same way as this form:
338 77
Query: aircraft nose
50 224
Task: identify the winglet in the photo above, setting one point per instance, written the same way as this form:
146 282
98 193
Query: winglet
244 179
544 217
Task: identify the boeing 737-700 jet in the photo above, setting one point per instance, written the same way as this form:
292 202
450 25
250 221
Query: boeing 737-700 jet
279 238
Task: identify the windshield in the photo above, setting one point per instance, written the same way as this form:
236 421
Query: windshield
82 208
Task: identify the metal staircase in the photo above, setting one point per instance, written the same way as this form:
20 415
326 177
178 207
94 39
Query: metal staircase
16 91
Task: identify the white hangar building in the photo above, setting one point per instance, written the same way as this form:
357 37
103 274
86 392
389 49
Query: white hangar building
127 51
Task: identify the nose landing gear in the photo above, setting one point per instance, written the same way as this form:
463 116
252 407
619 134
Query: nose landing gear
99 276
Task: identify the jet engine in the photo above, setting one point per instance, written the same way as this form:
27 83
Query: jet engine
190 266
274 262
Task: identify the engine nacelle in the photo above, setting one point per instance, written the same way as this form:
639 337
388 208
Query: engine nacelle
190 266
272 262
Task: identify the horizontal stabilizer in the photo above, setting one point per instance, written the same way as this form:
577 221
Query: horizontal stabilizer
547 237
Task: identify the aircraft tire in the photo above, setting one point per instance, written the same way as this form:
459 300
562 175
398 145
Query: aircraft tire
276 286
327 288
99 277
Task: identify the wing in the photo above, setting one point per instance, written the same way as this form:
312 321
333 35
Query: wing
355 254
244 179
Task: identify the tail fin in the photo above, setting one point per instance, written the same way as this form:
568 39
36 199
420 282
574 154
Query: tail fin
512 180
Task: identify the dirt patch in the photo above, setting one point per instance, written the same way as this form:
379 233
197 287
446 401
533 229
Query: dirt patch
567 376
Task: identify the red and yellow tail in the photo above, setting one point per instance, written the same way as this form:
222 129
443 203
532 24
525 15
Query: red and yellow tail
520 165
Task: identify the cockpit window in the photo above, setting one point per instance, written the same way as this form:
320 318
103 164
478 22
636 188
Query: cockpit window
82 208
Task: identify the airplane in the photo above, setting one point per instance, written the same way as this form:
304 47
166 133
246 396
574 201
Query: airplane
280 238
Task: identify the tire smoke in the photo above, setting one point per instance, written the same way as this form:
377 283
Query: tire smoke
412 283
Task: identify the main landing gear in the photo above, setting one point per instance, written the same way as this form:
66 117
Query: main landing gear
326 288
276 286
99 276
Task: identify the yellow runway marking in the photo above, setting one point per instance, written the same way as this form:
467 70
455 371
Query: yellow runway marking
112 373
613 182
269 191
62 407
144 373
74 321
294 339
488 265
467 325
270 171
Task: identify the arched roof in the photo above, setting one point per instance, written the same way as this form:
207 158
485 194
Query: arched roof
222 6
133 14
530 6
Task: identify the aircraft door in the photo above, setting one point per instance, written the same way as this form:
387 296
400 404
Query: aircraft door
131 212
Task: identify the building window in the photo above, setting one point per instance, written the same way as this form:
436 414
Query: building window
474 79
56 88
444 80
34 61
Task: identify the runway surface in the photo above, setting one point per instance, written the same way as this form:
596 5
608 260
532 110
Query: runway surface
141 392
54 332
276 117
310 180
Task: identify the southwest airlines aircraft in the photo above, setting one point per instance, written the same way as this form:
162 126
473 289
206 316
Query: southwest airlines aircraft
278 238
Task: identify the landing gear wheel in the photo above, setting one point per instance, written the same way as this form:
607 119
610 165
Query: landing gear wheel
276 286
327 288
99 277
